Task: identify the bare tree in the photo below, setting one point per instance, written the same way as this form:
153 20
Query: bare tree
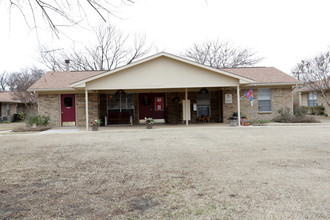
111 49
59 13
315 74
20 81
3 81
219 55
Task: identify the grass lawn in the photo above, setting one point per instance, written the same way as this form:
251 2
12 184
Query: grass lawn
280 172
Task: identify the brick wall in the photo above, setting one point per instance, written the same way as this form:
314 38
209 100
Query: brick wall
136 108
49 104
103 107
215 106
281 98
93 108
174 107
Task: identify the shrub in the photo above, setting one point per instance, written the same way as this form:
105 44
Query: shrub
38 120
299 116
19 117
317 110
284 113
314 110
299 111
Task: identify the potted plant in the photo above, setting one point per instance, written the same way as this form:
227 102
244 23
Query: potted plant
234 116
95 124
149 122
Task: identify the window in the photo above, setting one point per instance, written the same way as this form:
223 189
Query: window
120 102
68 102
264 100
312 99
8 110
203 104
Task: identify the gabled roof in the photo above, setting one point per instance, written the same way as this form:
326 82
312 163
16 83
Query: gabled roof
8 97
60 80
242 79
70 80
264 75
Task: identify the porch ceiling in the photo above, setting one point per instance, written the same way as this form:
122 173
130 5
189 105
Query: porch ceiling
160 72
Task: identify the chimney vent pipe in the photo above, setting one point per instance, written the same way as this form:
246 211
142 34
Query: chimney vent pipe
67 65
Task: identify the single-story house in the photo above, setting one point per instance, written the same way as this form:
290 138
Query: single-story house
9 105
167 88
306 96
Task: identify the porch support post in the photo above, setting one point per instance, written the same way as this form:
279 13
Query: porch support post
86 100
238 107
186 97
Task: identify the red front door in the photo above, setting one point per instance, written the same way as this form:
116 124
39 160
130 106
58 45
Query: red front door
151 105
68 110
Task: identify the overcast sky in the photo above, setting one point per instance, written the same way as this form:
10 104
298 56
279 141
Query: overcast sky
281 31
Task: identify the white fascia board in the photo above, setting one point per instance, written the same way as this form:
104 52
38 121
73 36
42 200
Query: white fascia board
76 84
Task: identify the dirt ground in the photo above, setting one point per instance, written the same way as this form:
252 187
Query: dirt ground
200 172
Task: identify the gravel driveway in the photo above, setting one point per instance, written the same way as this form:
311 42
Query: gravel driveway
199 172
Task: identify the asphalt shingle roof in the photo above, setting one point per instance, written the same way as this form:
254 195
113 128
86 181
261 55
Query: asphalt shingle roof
61 80
263 75
8 97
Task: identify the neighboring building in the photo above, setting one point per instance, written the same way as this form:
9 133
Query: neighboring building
165 87
9 106
306 96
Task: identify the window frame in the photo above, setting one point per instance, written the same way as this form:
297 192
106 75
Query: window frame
262 91
202 103
312 98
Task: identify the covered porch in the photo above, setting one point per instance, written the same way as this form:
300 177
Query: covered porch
164 87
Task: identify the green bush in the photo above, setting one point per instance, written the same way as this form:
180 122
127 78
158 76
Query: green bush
314 110
299 111
38 120
19 117
317 110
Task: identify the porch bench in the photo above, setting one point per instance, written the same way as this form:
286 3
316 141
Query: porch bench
118 117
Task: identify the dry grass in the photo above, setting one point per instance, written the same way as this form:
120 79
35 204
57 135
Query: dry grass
11 126
175 173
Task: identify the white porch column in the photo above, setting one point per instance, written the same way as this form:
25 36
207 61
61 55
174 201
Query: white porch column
187 113
86 100
300 99
238 107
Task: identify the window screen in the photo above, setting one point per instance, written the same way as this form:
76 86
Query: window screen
264 100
